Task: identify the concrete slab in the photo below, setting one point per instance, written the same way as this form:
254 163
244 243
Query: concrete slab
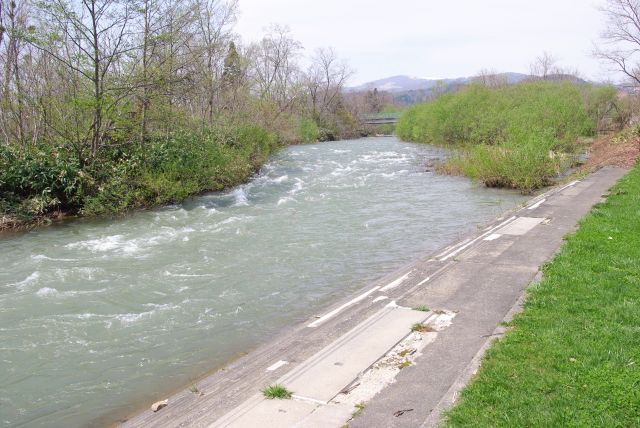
267 414
326 373
576 189
329 416
488 250
520 226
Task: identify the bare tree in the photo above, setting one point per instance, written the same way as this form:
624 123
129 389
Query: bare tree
275 70
620 42
157 35
544 66
326 78
2 29
96 36
13 96
215 19
491 78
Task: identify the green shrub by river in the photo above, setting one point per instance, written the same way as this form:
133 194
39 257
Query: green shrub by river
520 136
41 178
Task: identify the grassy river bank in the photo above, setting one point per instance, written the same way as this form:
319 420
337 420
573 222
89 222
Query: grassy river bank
571 358
518 136
43 180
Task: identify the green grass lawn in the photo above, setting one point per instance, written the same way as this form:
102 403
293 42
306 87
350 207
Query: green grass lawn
573 356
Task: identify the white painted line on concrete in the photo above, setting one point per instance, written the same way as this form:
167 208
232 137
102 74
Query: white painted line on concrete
492 237
341 308
453 253
424 280
277 365
537 204
453 247
380 298
310 400
396 283
573 183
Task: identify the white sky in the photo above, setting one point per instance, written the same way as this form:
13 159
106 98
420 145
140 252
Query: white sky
436 38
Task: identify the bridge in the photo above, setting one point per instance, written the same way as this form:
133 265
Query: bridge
381 118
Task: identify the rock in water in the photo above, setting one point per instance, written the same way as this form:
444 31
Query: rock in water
159 405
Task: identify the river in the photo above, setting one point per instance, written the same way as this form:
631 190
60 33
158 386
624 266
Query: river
98 317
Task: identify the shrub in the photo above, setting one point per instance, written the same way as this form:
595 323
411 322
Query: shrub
518 136
35 180
308 131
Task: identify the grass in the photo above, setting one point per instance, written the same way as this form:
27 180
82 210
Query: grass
359 409
406 352
572 357
422 308
518 136
404 364
276 391
421 328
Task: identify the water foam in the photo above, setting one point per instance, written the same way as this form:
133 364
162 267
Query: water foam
32 278
131 318
280 179
298 186
284 200
40 257
47 292
240 196
106 244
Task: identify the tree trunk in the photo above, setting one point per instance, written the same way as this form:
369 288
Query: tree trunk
97 119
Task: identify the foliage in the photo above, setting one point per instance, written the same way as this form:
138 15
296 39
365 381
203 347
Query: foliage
517 136
36 180
308 131
571 358
276 391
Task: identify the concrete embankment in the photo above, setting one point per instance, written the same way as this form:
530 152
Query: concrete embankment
361 356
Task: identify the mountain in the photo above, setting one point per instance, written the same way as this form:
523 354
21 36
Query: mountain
407 90
396 84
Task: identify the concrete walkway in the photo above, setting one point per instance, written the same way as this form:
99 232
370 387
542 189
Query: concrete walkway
363 348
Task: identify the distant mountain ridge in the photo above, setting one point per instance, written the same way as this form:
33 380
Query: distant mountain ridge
407 90
402 83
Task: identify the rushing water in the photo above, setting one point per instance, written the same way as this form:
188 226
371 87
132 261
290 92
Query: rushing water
97 317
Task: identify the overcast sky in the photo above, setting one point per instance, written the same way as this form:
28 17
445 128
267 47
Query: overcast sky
436 38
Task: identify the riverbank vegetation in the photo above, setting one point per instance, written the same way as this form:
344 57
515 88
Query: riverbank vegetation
571 358
517 136
107 106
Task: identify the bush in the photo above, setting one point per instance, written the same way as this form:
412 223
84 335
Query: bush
38 179
308 131
518 136
182 165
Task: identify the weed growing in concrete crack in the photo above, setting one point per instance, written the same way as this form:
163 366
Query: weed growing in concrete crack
404 364
276 391
406 352
422 328
359 409
421 308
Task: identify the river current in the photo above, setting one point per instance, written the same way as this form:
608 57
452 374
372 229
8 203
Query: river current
99 317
